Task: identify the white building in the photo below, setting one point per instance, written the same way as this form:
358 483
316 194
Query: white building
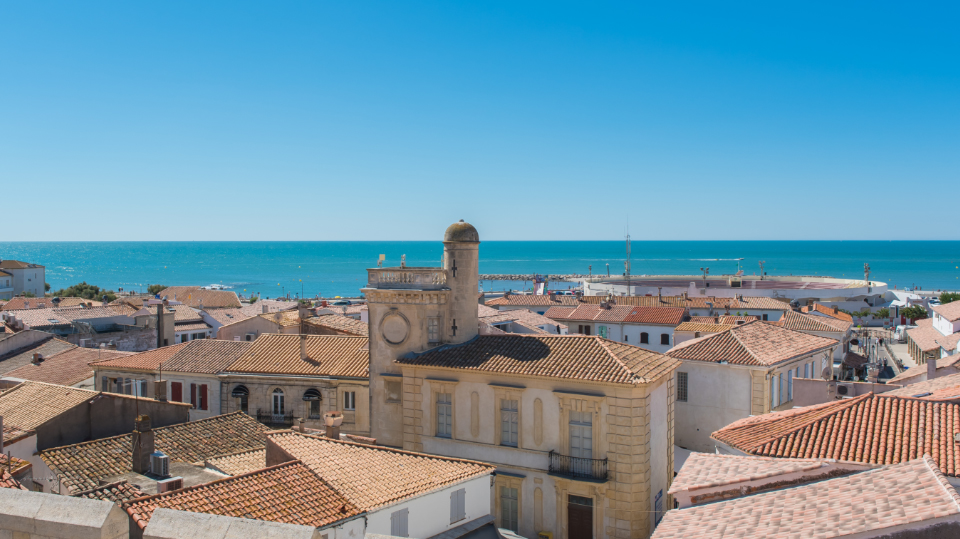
650 328
24 277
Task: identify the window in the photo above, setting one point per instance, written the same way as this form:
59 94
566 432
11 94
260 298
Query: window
602 331
127 386
782 386
765 317
104 384
509 412
626 338
644 338
682 381
806 370
665 338
243 394
314 409
393 391
789 385
193 396
583 329
433 330
245 404
773 392
278 401
509 509
458 505
349 400
398 523
581 435
176 391
444 415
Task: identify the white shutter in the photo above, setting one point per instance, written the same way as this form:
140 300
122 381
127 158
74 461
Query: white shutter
403 522
462 504
454 497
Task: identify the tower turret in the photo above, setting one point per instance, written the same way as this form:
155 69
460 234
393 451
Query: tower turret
461 254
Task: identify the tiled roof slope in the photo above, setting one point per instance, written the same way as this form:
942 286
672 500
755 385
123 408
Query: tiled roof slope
13 464
22 303
619 313
753 343
239 463
340 323
54 318
807 322
862 505
950 311
871 429
925 336
703 328
913 372
524 317
184 313
290 493
7 481
829 311
118 492
708 470
725 319
16 264
31 404
719 304
195 296
12 434
951 383
229 316
65 368
373 476
283 318
575 357
23 356
206 356
147 361
327 355
84 464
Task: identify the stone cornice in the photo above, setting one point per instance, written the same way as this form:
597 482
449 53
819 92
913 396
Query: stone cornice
410 297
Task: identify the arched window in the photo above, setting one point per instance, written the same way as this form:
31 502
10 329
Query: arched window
644 338
313 397
278 401
243 394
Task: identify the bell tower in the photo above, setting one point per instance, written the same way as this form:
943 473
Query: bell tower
413 309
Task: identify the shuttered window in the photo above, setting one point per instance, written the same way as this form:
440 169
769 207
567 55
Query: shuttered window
509 509
193 395
458 505
644 338
665 338
398 523
176 391
581 435
203 396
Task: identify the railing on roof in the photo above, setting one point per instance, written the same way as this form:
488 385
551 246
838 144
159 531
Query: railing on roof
271 419
578 467
413 278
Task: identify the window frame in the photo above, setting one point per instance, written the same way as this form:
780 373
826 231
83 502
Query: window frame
458 505
664 337
683 386
349 401
443 424
510 422
644 337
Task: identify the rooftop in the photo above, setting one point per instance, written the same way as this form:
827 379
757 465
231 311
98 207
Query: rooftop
950 311
808 322
21 303
84 464
925 335
7 481
703 327
117 492
708 470
860 504
574 357
524 317
23 356
832 312
869 429
940 388
16 264
67 368
339 323
700 302
374 476
62 317
753 343
31 404
291 493
283 318
619 313
195 296
906 376
327 355
239 463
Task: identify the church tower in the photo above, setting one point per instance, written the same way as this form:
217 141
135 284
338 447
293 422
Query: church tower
413 309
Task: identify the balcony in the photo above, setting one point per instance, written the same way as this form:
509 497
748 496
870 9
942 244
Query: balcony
407 278
275 420
583 469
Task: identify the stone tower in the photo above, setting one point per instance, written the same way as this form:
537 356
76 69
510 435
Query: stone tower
413 309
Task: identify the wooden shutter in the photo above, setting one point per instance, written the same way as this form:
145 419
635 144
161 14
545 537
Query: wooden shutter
203 396
193 395
176 391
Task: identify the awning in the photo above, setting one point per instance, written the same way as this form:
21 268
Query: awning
312 395
240 391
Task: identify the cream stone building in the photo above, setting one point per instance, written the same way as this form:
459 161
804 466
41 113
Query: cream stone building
579 427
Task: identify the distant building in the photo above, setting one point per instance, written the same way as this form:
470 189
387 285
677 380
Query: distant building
22 277
763 307
116 325
937 336
200 298
650 328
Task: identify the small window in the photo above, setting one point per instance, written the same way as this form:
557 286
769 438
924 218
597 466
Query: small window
682 382
444 415
665 338
644 338
314 409
433 330
393 391
398 523
458 505
104 384
765 317
349 400
626 338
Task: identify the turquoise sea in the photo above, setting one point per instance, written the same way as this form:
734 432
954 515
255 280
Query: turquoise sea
337 268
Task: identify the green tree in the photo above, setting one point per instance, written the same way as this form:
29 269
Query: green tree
28 295
914 312
156 288
882 312
949 297
86 291
46 287
862 314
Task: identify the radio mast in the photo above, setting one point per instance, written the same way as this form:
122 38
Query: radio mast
627 263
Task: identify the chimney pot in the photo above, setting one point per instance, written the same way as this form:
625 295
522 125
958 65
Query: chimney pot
303 347
836 309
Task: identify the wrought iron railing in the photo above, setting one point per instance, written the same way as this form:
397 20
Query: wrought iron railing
269 418
578 467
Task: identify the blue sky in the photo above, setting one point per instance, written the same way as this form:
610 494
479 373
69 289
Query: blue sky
554 120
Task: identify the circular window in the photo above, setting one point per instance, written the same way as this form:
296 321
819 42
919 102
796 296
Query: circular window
394 327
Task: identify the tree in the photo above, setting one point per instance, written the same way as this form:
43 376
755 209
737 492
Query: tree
253 299
914 312
882 312
46 287
949 297
861 314
86 291
156 288
28 294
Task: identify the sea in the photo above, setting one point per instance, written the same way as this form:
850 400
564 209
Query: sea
329 269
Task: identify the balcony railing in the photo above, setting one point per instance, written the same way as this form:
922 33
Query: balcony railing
578 467
415 278
277 420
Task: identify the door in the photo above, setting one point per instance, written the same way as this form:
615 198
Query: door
579 517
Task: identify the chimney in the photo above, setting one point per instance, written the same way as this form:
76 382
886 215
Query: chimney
836 309
37 358
303 347
301 426
143 444
263 308
160 390
931 368
332 421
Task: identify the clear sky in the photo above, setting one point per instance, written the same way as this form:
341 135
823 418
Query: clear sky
179 120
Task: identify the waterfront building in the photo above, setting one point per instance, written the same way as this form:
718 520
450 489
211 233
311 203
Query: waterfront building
579 427
650 328
935 337
17 278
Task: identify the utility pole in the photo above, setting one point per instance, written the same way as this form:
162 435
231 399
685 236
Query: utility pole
706 271
762 262
627 263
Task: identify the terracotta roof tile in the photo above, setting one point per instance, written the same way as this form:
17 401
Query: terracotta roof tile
13 434
708 470
206 356
147 361
374 476
31 404
22 303
7 481
703 327
65 368
23 356
55 318
829 311
229 316
291 493
184 313
940 388
118 492
239 463
343 324
327 355
575 357
84 464
870 429
619 313
524 317
195 296
862 504
16 264
283 318
719 304
808 322
753 343
906 377
925 337
198 326
13 464
950 311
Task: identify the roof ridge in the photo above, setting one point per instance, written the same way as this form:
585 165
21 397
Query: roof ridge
949 489
616 358
741 343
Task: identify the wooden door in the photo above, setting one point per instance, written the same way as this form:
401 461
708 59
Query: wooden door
580 518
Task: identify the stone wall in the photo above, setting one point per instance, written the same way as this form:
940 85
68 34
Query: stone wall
34 515
131 339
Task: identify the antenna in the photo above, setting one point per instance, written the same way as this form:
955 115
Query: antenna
627 263
762 262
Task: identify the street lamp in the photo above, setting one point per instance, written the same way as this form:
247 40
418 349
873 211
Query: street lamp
706 271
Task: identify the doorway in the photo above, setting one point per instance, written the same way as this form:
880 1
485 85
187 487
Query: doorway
579 517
